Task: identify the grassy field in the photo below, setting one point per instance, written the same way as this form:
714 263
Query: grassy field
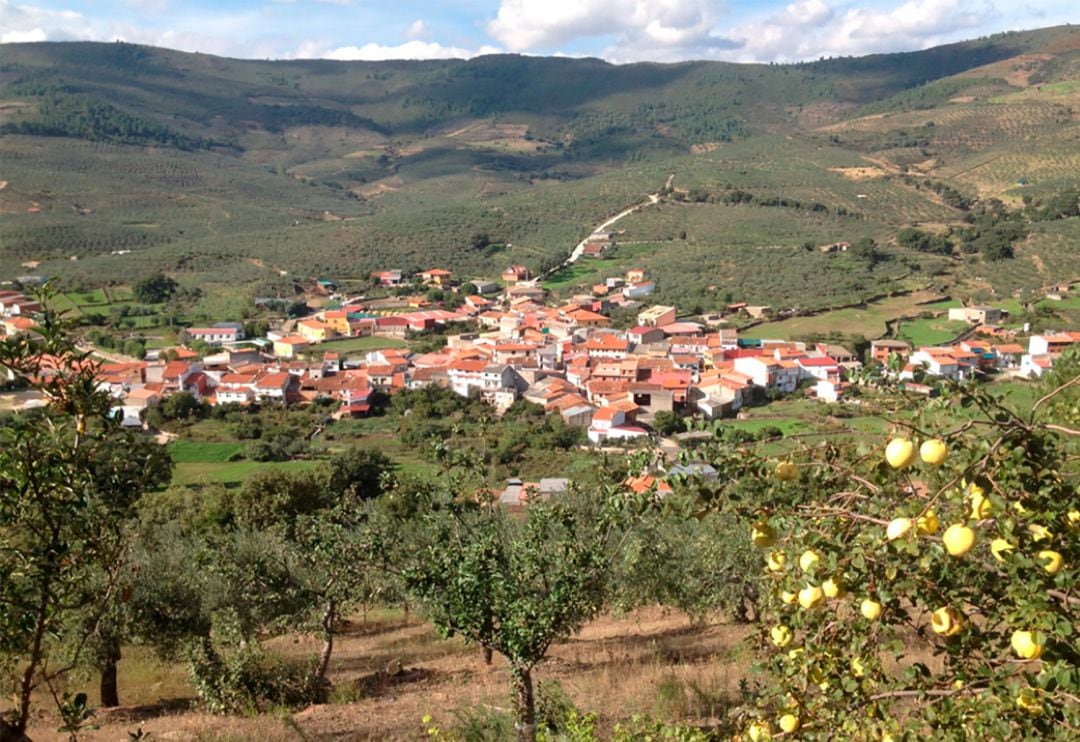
647 660
203 452
868 321
935 331
229 472
351 345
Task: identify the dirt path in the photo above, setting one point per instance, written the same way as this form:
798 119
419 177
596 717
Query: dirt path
579 249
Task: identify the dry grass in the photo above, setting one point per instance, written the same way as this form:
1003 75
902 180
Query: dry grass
649 661
859 173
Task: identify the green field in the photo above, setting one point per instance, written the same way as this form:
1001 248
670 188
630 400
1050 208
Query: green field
351 345
230 473
203 452
936 331
868 321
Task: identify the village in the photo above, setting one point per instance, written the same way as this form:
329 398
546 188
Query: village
507 342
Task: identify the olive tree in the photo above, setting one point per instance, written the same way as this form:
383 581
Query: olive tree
69 482
513 584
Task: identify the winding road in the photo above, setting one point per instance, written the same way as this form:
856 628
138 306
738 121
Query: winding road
579 250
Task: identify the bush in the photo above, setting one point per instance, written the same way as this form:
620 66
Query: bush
248 680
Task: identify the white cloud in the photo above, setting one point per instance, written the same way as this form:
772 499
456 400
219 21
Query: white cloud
807 29
23 36
417 30
526 25
30 23
148 6
804 13
371 52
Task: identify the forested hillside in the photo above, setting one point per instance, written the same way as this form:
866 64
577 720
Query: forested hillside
241 172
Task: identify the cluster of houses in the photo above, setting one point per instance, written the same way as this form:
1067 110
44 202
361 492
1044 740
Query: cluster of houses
566 358
16 312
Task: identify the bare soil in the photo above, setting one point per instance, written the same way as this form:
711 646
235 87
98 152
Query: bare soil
388 673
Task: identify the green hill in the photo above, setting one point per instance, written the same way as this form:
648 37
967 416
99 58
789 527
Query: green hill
121 160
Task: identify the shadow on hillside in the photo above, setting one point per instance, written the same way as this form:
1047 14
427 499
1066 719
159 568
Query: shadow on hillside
381 682
164 707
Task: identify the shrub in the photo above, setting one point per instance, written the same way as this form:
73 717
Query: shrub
248 680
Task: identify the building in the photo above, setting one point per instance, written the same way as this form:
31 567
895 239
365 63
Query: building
638 290
217 334
656 316
880 350
978 315
315 331
515 273
436 277
389 278
290 346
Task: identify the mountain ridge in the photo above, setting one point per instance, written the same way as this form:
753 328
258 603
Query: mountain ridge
207 167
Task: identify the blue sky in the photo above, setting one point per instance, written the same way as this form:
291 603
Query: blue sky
617 30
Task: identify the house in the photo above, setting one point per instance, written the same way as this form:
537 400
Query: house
315 331
656 316
978 315
575 410
477 304
606 345
395 326
1035 366
638 290
13 326
830 390
880 350
587 318
468 374
1008 355
611 423
436 277
515 353
16 304
768 373
274 387
389 278
635 275
838 353
642 335
526 290
1051 343
216 335
820 368
515 273
1044 349
939 362
485 287
648 483
235 388
290 346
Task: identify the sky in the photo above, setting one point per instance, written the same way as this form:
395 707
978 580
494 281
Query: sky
616 30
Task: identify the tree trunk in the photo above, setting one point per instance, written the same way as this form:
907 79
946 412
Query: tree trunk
8 733
524 705
110 696
318 675
487 655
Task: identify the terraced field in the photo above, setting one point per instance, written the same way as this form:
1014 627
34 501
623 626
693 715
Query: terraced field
868 321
